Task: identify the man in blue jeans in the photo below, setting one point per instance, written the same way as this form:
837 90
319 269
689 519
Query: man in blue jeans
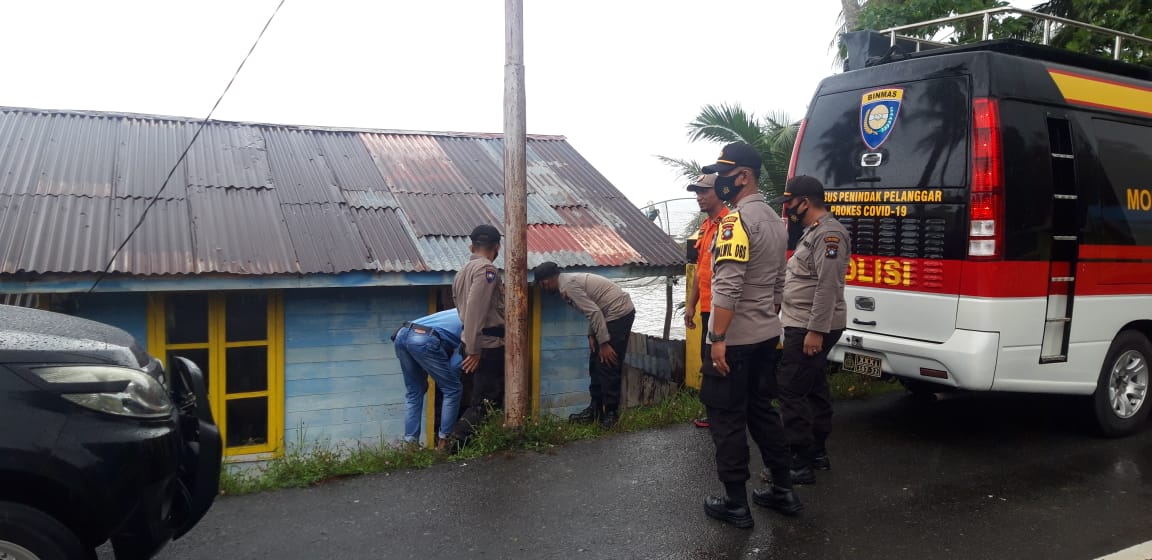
428 347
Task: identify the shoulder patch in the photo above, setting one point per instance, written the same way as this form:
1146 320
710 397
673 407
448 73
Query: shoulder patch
831 250
732 241
490 276
832 239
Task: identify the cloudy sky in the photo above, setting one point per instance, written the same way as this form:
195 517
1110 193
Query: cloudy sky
619 78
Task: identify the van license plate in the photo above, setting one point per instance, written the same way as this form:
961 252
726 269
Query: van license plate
862 365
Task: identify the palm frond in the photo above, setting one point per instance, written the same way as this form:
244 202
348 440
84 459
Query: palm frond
687 168
725 123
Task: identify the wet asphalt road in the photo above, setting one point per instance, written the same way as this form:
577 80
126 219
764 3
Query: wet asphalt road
1000 476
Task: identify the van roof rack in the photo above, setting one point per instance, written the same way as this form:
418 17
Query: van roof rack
1048 20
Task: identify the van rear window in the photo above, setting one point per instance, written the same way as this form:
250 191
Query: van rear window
925 144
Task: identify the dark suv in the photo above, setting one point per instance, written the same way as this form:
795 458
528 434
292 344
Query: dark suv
97 441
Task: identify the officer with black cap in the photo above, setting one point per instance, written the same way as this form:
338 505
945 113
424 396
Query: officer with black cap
814 317
479 294
739 383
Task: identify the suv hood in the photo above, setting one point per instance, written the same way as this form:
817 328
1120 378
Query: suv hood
31 335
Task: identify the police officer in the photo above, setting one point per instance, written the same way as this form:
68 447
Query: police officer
610 315
814 316
739 381
479 294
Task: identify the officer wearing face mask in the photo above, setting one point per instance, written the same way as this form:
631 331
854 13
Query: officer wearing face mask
814 316
739 382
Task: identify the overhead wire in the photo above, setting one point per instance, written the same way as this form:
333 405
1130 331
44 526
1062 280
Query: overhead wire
184 154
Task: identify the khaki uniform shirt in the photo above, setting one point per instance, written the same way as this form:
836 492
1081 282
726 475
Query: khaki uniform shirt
599 299
479 294
814 288
748 271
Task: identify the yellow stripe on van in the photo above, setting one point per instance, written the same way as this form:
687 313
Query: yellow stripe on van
1104 94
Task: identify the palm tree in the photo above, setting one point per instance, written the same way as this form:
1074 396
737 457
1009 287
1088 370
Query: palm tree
771 134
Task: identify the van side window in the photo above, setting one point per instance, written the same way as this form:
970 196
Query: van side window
1126 198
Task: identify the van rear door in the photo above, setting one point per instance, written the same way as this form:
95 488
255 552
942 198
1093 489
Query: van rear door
894 159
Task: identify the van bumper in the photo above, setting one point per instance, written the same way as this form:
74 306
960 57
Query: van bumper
967 358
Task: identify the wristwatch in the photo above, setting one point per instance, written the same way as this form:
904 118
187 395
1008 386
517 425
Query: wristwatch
713 337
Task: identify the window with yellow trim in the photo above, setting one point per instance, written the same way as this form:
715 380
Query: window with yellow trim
237 340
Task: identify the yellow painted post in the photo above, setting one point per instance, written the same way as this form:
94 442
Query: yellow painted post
692 364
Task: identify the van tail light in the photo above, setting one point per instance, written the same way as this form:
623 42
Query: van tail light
986 208
796 149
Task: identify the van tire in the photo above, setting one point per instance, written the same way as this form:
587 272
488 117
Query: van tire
1126 361
40 534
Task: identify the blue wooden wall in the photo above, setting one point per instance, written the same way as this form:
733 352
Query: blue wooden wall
342 383
563 358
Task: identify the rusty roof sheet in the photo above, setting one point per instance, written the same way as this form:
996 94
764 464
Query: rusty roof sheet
446 214
274 199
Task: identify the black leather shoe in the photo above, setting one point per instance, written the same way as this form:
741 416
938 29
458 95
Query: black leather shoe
821 462
803 475
735 515
586 416
782 500
608 420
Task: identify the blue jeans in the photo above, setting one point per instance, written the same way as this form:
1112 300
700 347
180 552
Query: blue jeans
422 355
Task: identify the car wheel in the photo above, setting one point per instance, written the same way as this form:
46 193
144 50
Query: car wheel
1121 399
30 534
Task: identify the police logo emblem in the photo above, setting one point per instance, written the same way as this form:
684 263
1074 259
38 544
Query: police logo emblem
878 111
726 232
490 276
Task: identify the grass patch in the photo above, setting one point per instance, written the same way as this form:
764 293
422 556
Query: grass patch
311 463
850 386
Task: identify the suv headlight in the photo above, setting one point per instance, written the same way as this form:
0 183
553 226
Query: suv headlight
109 389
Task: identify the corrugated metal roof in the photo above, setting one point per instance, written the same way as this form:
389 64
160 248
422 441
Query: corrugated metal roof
163 245
446 214
415 164
325 238
299 172
229 156
53 233
241 231
389 239
539 212
272 199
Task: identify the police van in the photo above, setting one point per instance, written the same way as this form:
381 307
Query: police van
999 198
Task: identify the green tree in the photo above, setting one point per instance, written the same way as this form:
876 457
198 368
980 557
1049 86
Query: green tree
1130 16
772 134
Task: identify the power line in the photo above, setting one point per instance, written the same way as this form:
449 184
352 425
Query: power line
175 166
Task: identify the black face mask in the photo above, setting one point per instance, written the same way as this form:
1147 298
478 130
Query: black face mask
796 216
726 188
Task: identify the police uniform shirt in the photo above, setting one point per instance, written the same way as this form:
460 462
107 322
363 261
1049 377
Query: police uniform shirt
748 260
479 295
814 288
599 299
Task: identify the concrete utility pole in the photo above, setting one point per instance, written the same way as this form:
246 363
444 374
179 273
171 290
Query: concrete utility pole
516 399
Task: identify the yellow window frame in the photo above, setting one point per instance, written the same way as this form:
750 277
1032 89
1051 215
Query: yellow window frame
217 346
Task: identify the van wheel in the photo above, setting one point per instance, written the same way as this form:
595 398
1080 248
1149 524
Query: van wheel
30 534
1121 398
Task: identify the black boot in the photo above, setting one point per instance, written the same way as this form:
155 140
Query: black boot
821 462
586 416
729 512
783 500
802 475
608 419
